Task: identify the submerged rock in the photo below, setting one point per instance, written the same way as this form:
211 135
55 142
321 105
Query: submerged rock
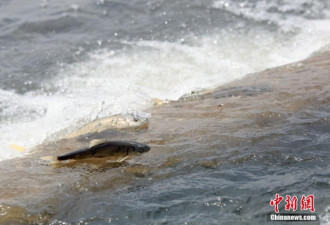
119 121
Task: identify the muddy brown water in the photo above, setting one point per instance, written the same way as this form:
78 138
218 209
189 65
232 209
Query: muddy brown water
216 158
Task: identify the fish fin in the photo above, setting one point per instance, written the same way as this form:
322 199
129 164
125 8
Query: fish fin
95 142
123 159
18 147
50 159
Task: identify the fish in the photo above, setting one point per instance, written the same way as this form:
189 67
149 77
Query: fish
102 148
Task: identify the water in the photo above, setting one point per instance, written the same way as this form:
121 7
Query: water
107 57
63 65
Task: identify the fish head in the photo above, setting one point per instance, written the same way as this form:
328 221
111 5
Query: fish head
140 148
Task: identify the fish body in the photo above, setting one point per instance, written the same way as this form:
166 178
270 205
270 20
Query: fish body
106 149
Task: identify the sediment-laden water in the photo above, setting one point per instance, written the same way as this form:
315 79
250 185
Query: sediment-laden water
217 156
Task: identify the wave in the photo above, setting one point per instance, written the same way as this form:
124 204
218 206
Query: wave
125 80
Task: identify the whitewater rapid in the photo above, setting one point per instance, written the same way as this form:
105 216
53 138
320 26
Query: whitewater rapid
125 80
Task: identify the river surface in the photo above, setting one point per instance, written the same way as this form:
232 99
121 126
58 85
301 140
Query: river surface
216 159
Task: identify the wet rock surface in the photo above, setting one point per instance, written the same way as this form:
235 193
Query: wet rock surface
229 150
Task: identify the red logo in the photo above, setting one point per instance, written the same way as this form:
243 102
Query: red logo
291 203
276 202
306 203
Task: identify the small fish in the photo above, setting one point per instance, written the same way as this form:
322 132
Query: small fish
103 148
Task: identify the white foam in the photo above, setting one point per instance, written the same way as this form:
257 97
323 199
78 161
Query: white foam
325 218
112 82
287 14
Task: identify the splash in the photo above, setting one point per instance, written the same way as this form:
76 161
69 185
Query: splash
113 82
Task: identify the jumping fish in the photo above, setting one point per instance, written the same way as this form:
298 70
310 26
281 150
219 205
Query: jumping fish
107 148
103 148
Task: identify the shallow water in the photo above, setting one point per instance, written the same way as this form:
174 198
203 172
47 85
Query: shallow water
219 158
216 158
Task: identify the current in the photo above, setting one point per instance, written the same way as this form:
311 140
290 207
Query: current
64 64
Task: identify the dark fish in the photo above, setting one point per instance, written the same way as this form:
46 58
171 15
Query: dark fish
107 148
